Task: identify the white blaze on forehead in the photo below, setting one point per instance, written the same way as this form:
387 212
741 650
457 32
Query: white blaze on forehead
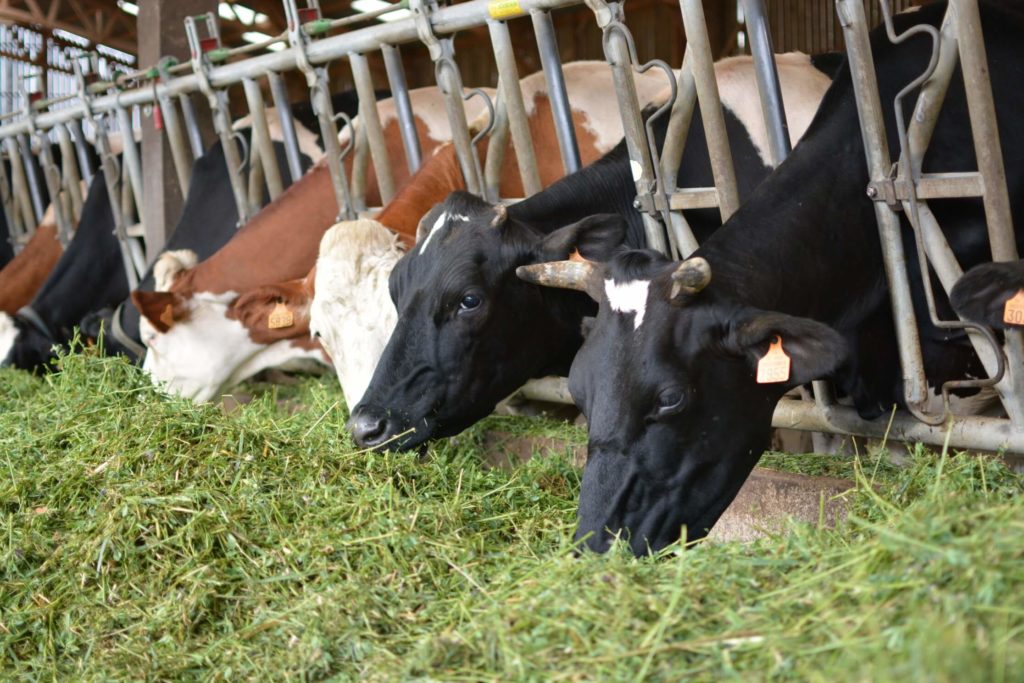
442 220
8 335
628 297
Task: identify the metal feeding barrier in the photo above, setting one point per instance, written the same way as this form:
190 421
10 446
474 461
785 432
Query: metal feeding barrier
313 42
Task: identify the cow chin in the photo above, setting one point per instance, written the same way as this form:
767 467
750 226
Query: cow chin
618 501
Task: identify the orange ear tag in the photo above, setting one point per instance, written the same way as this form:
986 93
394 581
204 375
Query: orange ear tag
1013 312
280 317
167 317
774 366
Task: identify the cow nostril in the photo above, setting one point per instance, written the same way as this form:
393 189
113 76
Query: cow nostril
368 428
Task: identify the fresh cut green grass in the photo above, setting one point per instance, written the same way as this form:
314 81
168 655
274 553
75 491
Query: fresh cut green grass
146 538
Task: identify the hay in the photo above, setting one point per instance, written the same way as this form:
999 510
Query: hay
147 538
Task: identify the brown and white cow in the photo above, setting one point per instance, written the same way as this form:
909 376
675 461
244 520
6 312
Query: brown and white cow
24 275
198 343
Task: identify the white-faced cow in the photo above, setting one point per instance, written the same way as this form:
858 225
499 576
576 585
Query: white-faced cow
672 376
469 333
207 327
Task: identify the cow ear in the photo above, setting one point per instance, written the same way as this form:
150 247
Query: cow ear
981 294
426 223
161 309
596 238
274 312
814 349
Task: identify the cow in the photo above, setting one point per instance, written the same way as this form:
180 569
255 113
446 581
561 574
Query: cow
6 246
681 370
469 333
197 325
22 277
84 280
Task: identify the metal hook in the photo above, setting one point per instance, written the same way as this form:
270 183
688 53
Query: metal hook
351 136
491 115
237 135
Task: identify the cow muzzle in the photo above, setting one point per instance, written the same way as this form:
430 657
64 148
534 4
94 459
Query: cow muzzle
372 427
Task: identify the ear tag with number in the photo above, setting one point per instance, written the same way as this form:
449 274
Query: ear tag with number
774 365
280 317
1013 312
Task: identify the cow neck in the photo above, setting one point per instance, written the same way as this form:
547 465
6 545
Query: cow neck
279 243
435 180
806 242
24 275
90 273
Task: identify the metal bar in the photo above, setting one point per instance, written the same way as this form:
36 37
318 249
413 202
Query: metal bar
561 112
710 106
7 206
84 162
195 137
400 96
768 89
672 155
694 198
284 115
176 142
52 176
876 149
32 176
360 167
261 141
19 184
450 82
72 179
512 101
369 120
130 158
255 180
497 146
970 432
445 21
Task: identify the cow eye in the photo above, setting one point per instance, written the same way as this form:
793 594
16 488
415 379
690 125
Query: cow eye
670 400
469 302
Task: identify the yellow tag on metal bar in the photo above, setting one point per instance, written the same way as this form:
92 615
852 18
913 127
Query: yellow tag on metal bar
774 366
280 317
504 9
1013 312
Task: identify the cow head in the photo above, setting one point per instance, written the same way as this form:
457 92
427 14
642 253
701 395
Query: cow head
469 332
667 378
202 345
981 294
352 314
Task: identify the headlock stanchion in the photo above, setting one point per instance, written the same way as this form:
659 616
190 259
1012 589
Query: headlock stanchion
313 44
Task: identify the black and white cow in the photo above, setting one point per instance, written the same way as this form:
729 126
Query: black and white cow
6 247
89 276
469 333
669 373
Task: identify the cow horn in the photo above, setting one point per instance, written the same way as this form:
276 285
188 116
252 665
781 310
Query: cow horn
500 214
690 276
563 274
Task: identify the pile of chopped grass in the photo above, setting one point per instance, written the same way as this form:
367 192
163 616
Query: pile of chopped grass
145 537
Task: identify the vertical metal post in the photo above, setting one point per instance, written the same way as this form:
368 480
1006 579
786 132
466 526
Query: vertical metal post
617 52
369 120
19 186
261 141
547 44
84 162
7 206
512 100
32 177
672 152
710 106
130 155
176 141
195 137
72 179
755 17
53 185
284 115
876 148
403 107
